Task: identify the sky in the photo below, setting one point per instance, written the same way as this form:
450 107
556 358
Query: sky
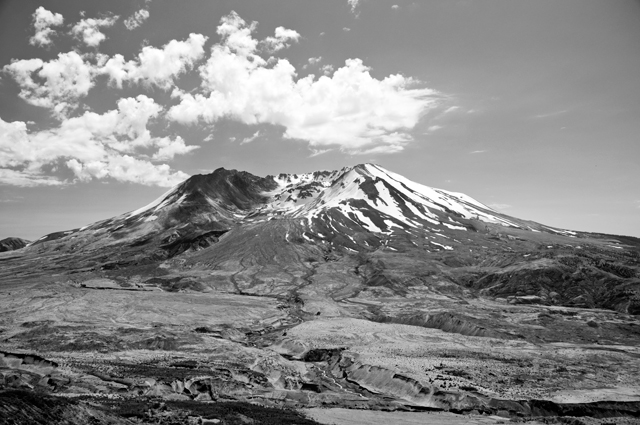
531 107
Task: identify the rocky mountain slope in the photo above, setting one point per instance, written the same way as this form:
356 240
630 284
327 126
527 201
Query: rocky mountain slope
10 244
351 288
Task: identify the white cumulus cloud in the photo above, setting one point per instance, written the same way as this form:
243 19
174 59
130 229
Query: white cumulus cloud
88 30
283 39
135 20
169 148
56 84
351 109
43 20
92 146
155 66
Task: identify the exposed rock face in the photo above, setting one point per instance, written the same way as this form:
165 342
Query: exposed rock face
10 244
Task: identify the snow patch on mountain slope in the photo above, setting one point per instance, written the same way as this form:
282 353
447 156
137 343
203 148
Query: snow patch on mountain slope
310 195
438 199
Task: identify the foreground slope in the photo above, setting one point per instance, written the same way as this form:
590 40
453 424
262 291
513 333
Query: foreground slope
354 288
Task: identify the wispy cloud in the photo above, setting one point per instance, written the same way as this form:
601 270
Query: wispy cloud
316 152
11 200
474 152
499 206
395 7
346 29
251 138
451 109
27 178
551 114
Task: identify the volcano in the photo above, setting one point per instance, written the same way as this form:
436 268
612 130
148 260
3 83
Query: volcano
274 221
355 288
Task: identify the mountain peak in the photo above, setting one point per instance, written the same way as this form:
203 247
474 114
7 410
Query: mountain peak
364 199
12 243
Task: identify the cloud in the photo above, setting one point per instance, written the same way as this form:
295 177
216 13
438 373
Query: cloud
550 114
135 20
88 30
395 7
43 20
60 83
451 109
92 146
346 29
354 7
350 110
251 139
317 152
236 34
498 206
283 39
433 128
475 152
327 69
12 200
314 61
26 179
155 66
170 148
208 138
57 84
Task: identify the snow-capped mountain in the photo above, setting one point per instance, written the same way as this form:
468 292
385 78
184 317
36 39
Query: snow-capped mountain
365 199
264 235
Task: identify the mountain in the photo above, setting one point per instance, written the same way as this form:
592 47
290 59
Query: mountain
352 288
364 210
10 244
